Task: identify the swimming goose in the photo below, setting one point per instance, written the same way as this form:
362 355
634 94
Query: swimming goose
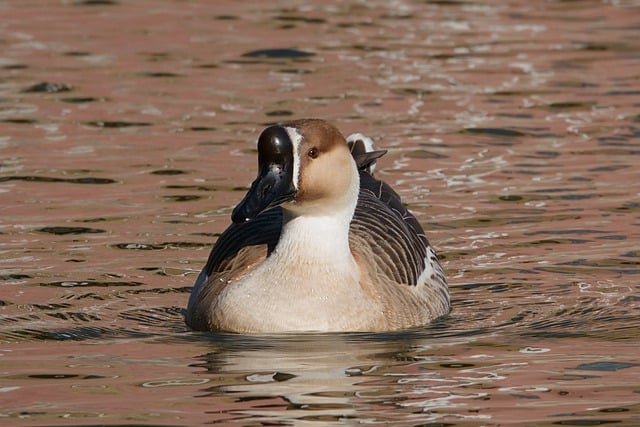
318 244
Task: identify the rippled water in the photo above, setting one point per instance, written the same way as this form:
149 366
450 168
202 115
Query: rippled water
127 133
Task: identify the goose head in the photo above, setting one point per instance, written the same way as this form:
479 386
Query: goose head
306 167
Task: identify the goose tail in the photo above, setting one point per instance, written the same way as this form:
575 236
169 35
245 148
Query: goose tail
361 147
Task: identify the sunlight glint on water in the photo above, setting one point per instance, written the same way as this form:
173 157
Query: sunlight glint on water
128 133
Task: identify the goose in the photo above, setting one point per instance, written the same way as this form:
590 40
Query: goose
318 245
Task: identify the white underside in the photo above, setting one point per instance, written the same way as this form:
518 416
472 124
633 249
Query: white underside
309 283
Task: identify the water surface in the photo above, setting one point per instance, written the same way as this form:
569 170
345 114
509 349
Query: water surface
127 134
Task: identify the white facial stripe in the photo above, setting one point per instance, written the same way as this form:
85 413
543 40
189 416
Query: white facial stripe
296 139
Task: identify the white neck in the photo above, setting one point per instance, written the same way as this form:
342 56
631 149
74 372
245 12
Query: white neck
317 232
316 240
311 278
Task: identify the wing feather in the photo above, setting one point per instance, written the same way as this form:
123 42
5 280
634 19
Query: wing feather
394 235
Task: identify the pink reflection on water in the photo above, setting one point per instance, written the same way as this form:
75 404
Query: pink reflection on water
512 133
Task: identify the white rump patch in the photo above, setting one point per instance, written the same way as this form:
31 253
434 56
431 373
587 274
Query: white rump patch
368 145
368 142
429 270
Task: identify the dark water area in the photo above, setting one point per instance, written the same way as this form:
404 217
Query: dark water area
127 135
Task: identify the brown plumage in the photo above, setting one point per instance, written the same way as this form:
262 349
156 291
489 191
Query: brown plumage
318 244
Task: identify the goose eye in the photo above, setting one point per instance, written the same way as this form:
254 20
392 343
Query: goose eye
313 152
